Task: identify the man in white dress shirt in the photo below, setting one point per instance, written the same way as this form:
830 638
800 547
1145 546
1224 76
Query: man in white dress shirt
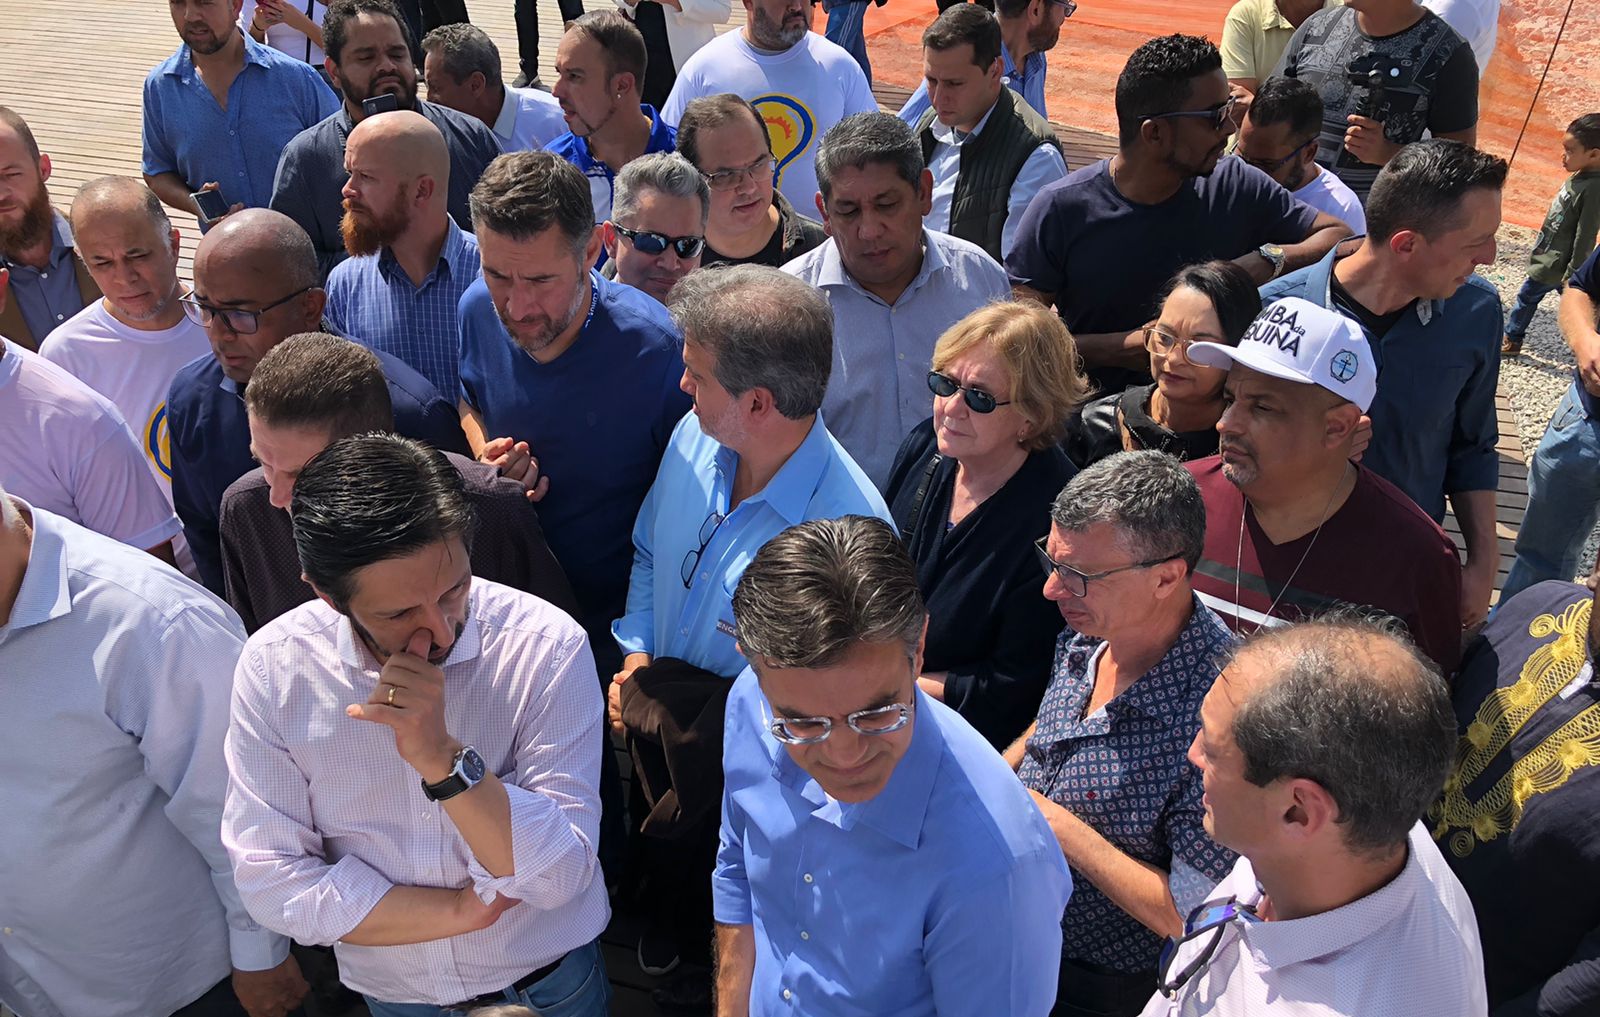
118 897
414 755
462 69
1321 745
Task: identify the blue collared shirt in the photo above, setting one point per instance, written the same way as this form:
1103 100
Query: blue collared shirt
372 300
273 98
50 296
1123 770
1434 427
1028 83
940 895
695 483
602 181
881 354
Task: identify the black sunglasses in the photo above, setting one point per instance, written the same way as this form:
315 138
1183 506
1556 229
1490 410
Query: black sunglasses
1220 116
978 400
646 242
1271 166
1211 918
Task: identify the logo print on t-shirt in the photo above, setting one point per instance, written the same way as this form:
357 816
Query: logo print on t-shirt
790 126
1343 365
158 442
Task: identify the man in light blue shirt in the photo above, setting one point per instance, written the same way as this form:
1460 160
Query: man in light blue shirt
119 897
220 110
409 262
1029 29
894 286
877 856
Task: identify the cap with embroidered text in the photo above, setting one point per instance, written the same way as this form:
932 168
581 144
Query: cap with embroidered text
1297 340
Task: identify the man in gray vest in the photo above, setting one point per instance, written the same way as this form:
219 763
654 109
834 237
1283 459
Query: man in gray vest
988 150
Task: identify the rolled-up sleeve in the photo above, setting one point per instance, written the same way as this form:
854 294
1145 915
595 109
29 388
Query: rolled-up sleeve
730 885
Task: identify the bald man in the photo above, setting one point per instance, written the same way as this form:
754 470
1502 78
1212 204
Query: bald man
129 344
409 262
256 284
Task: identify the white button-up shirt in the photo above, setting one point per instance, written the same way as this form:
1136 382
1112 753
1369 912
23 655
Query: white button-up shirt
1406 949
1043 166
530 118
116 896
324 817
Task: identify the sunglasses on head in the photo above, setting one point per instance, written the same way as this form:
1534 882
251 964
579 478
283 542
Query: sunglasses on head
646 242
978 401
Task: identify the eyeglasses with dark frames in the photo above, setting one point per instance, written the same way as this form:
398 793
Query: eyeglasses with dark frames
1066 5
1220 116
879 720
1213 918
1077 583
977 399
691 561
1271 166
728 179
238 320
652 243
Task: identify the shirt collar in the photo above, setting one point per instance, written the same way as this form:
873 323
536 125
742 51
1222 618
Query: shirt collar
1171 680
832 271
1269 17
467 647
950 136
790 489
450 254
661 139
61 243
510 109
901 808
44 594
1319 287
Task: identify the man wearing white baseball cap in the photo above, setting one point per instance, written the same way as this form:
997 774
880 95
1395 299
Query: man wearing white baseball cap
1293 527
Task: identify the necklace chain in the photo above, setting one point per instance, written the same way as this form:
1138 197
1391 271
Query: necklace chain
1238 561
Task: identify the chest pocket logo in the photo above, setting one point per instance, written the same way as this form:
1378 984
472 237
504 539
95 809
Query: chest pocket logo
158 442
790 126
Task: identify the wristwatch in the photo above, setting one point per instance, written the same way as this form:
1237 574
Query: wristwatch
467 770
1274 254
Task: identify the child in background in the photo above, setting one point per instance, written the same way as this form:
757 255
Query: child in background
1568 233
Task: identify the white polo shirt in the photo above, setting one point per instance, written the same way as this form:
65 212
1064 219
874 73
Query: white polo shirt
529 120
1407 949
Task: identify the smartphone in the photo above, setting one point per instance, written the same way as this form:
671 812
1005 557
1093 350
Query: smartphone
386 102
212 205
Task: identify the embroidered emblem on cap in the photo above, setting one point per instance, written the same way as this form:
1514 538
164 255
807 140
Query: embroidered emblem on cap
1343 366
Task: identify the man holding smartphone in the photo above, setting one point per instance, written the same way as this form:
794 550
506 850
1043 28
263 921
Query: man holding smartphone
196 139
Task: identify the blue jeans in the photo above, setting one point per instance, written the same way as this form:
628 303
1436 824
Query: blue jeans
1522 312
578 988
847 23
1563 499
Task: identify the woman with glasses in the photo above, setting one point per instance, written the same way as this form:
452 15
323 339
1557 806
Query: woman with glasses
1210 302
970 489
751 222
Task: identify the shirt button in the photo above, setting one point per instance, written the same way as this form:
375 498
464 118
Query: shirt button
808 878
44 275
805 935
902 356
61 317
8 930
787 994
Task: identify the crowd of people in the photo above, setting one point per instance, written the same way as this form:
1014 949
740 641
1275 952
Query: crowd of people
1015 589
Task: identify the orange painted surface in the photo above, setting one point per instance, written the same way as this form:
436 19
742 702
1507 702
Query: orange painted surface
1098 38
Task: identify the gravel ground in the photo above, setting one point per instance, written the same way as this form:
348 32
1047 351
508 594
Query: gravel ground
1536 380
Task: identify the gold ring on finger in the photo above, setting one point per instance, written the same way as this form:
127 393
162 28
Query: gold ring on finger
391 695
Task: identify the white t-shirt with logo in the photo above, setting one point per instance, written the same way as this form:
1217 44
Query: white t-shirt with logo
65 448
800 93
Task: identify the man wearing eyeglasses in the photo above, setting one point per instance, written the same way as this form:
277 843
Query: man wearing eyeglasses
256 284
877 856
1321 746
1104 761
1278 136
657 229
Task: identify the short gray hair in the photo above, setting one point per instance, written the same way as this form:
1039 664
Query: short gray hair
1355 707
465 48
665 173
767 329
820 588
1148 497
127 191
872 137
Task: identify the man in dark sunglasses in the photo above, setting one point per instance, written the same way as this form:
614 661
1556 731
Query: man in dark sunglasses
1321 745
657 230
1278 136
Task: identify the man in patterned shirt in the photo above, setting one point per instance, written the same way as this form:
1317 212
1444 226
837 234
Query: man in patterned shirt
1105 759
409 262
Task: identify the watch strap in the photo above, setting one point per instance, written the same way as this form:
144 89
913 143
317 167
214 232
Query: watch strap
452 785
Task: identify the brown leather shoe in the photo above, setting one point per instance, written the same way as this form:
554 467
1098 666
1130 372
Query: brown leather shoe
1510 347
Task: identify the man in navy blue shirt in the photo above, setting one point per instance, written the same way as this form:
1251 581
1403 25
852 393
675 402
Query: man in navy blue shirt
1167 194
256 284
369 55
219 111
569 381
1435 329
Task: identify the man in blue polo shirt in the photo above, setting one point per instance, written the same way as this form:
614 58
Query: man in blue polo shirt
1028 30
600 69
569 382
219 111
255 284
1435 329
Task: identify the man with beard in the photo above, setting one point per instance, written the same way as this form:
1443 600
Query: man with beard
1293 527
128 345
1278 136
573 377
600 67
799 82
369 54
1165 195
255 284
219 111
409 261
371 728
41 283
1028 30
